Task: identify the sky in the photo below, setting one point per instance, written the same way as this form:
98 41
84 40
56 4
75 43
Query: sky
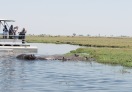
65 17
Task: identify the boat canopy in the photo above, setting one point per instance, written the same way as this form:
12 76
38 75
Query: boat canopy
5 20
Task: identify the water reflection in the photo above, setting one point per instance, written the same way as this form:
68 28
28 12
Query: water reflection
50 49
7 74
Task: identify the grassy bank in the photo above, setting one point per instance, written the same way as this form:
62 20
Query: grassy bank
109 50
84 41
120 56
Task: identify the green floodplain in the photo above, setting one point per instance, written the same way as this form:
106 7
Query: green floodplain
107 50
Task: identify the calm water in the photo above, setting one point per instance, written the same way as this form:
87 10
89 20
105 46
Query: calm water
57 76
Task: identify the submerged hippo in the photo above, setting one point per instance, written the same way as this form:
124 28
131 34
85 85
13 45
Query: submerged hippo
52 57
28 57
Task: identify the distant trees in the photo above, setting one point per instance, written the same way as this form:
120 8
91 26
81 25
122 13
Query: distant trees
74 34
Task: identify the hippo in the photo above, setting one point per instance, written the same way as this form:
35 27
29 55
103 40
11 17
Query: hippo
52 57
31 57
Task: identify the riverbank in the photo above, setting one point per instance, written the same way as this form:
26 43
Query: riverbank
111 42
108 50
115 56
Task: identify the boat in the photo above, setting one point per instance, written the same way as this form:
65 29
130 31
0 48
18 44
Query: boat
15 45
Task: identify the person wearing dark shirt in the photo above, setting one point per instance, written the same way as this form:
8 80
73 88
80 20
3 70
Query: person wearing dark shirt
11 32
22 35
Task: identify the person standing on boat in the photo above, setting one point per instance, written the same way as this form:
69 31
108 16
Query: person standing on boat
15 32
11 32
5 32
22 35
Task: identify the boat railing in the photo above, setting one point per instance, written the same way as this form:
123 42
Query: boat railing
12 39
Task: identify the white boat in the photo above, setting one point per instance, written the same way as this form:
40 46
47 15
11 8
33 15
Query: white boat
16 45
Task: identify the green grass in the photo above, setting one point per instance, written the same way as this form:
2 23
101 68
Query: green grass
109 50
120 56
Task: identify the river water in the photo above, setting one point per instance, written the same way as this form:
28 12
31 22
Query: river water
57 76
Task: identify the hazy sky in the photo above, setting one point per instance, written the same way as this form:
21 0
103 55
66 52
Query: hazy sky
65 17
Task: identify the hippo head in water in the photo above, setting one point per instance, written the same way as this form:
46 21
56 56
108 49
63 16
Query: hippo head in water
27 56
